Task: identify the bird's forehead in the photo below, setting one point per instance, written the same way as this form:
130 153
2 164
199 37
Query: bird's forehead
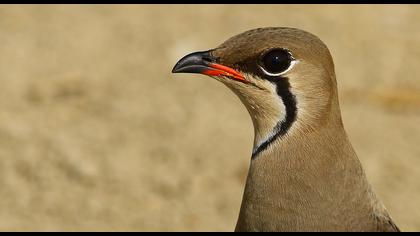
252 43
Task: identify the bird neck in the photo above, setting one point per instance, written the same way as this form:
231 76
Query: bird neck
310 177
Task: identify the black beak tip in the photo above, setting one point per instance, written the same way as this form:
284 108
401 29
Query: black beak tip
177 68
192 63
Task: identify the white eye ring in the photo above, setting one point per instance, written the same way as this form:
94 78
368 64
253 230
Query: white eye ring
292 64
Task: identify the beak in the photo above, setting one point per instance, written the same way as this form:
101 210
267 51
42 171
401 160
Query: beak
204 63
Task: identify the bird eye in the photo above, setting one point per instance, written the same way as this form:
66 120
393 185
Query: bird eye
276 61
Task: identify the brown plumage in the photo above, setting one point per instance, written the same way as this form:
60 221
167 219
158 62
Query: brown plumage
304 174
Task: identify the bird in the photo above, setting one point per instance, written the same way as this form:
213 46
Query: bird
304 174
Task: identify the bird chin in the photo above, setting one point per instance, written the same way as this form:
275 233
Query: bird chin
234 84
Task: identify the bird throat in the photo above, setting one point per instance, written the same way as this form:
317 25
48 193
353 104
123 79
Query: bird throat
282 126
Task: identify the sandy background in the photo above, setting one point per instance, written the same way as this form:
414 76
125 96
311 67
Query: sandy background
97 134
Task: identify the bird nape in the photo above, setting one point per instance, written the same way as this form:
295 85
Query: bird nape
304 173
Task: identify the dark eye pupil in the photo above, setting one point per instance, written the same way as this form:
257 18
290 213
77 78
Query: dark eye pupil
276 61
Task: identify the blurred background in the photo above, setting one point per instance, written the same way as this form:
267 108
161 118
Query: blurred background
96 134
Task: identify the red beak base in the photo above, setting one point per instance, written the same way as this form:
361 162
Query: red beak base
221 70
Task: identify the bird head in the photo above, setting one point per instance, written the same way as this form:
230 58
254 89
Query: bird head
284 76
